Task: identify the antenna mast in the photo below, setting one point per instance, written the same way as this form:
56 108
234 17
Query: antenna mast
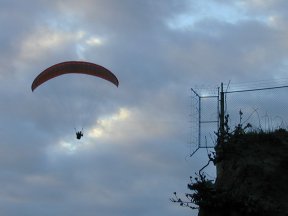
222 115
201 106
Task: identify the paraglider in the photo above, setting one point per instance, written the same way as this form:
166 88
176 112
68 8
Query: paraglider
74 67
79 67
79 134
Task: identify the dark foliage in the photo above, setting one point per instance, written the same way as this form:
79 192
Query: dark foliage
206 194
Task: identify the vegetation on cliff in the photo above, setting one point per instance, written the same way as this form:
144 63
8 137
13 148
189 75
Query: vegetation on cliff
252 177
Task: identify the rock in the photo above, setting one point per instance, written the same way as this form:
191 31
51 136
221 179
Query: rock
253 176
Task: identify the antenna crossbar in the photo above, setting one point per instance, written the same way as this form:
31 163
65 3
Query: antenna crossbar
257 89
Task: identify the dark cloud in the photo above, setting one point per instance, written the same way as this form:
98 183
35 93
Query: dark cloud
132 157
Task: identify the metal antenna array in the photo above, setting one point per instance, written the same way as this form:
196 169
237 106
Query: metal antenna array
198 119
198 139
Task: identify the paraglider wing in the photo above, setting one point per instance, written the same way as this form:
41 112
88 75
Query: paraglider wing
79 67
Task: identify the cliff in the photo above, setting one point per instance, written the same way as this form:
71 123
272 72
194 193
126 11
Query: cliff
252 176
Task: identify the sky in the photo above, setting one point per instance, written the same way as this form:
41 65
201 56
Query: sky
137 137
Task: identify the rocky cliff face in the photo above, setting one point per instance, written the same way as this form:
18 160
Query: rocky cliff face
252 176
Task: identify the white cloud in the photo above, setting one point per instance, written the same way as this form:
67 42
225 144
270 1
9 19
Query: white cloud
94 41
43 41
51 38
87 43
41 180
258 4
203 10
127 125
106 126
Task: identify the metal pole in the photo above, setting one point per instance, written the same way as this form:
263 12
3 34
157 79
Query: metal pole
222 114
218 148
199 123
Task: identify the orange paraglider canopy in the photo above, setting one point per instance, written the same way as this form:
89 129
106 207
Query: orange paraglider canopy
79 67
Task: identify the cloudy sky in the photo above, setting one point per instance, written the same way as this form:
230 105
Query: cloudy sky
133 155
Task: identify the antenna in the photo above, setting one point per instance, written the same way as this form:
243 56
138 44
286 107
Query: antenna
198 117
222 114
200 109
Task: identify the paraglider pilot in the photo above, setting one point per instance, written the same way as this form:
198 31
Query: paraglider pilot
79 134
